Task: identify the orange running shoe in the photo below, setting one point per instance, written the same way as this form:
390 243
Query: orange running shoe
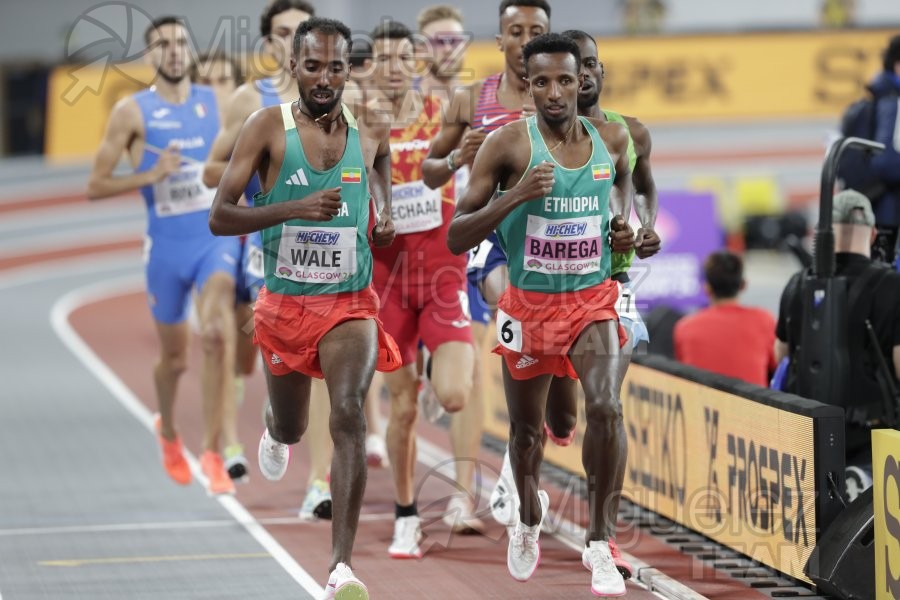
175 463
218 481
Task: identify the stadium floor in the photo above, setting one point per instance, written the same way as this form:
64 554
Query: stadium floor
88 511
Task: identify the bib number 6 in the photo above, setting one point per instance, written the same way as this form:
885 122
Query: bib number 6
509 331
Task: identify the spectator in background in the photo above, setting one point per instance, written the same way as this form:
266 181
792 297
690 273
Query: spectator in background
854 231
838 13
643 16
886 165
220 72
727 338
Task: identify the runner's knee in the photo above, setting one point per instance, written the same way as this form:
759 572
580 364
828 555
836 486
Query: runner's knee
561 425
288 433
213 336
347 416
174 362
603 415
525 438
453 397
404 413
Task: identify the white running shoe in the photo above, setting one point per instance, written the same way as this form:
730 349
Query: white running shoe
407 535
624 567
317 503
344 585
376 452
524 552
460 516
606 580
273 457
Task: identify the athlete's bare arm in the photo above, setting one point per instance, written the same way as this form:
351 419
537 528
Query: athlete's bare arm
455 133
375 138
647 242
124 131
261 143
615 136
243 102
502 159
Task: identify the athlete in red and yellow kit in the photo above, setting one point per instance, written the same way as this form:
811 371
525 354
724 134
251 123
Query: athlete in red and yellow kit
421 284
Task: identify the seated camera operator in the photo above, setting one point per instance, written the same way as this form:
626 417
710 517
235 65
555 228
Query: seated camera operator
874 296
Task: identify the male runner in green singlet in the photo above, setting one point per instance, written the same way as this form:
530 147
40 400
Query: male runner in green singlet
316 316
560 176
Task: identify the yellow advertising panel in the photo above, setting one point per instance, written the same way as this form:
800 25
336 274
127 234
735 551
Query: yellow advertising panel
685 78
886 493
80 99
738 471
697 78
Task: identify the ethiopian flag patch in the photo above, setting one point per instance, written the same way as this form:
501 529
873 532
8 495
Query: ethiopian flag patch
350 175
600 172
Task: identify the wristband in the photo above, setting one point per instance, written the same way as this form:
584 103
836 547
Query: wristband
450 164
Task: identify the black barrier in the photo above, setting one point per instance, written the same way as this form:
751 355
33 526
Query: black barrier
767 473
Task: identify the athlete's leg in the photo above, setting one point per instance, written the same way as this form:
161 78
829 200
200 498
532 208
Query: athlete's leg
287 413
562 407
217 322
467 425
597 360
244 364
451 374
494 284
173 348
318 495
246 353
376 451
624 361
525 400
401 438
348 354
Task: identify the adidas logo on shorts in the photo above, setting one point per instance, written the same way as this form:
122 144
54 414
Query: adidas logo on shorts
276 360
526 361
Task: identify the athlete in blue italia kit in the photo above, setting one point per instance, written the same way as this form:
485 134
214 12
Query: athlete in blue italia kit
166 132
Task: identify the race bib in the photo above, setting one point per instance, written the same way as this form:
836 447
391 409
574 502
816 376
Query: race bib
627 305
509 331
563 246
182 192
316 255
253 262
479 254
415 207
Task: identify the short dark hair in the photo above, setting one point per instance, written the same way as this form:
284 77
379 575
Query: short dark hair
279 6
577 35
218 56
542 4
724 272
360 52
892 53
159 22
551 43
391 30
320 25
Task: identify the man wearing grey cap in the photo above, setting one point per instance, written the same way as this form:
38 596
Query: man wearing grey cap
873 293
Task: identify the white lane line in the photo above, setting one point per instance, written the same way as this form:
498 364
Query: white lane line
59 318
